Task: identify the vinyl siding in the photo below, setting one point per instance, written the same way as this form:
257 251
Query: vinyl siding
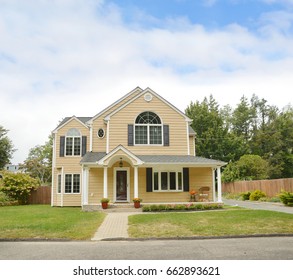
176 122
70 164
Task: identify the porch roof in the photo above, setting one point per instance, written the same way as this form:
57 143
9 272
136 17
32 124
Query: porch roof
94 157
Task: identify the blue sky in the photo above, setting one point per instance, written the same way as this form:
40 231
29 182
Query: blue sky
61 58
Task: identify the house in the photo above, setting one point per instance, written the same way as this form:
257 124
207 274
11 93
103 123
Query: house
140 146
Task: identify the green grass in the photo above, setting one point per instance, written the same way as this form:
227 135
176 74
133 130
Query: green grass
43 221
210 223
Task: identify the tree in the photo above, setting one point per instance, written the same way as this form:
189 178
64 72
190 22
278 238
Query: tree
248 167
39 162
18 186
214 138
6 148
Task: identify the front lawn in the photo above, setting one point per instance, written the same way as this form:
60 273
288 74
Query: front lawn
44 221
210 223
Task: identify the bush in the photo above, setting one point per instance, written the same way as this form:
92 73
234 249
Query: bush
181 207
256 195
245 195
286 198
6 201
17 186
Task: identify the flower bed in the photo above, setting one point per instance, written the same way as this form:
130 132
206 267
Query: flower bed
181 207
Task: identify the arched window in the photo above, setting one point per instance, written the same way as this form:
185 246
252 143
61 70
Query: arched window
73 142
148 129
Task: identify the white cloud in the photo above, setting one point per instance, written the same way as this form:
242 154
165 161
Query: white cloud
64 58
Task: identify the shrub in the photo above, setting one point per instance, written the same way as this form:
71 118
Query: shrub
245 195
181 207
286 198
256 195
6 201
17 186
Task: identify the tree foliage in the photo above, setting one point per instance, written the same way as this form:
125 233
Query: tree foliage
39 162
253 127
6 147
18 186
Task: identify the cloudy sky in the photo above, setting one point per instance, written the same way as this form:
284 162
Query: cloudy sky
61 58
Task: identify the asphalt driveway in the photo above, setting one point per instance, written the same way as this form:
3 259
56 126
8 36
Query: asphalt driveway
279 207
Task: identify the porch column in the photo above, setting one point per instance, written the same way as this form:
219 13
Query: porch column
85 185
214 184
105 181
219 184
135 181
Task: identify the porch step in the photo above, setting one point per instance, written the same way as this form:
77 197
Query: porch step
112 207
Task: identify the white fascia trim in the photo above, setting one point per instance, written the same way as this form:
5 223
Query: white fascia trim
155 94
69 120
120 147
53 167
113 104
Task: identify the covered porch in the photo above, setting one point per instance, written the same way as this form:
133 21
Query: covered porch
121 176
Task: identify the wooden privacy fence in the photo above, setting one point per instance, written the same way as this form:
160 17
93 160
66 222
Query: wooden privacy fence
42 195
269 187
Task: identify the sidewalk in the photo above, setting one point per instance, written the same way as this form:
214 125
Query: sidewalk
115 225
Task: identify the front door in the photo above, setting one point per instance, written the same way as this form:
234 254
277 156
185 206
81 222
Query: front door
121 185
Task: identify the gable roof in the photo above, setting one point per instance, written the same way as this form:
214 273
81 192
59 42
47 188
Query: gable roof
114 104
82 120
148 90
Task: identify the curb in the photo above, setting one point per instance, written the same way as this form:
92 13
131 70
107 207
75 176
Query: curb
148 239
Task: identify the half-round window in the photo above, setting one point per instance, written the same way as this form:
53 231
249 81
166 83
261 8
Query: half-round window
148 129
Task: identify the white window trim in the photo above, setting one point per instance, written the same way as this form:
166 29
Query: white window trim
168 171
74 193
73 141
148 135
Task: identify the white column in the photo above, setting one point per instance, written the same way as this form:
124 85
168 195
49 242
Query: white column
219 184
105 181
85 185
135 181
62 185
214 185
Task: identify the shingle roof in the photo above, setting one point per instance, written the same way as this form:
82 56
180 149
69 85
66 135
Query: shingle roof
93 157
82 119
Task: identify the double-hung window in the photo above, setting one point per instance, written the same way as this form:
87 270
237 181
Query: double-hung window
168 180
148 129
73 142
72 183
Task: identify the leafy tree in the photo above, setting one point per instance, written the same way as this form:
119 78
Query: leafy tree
39 161
248 167
6 148
213 136
18 186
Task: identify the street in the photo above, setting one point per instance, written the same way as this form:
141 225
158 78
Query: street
256 248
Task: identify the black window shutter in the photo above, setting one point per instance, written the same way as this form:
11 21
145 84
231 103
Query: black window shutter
166 135
149 179
83 149
186 179
130 135
62 146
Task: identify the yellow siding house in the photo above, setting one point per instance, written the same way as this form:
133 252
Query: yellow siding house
140 146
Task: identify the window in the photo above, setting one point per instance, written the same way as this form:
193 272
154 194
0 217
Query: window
73 142
148 129
59 183
101 133
72 183
167 180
